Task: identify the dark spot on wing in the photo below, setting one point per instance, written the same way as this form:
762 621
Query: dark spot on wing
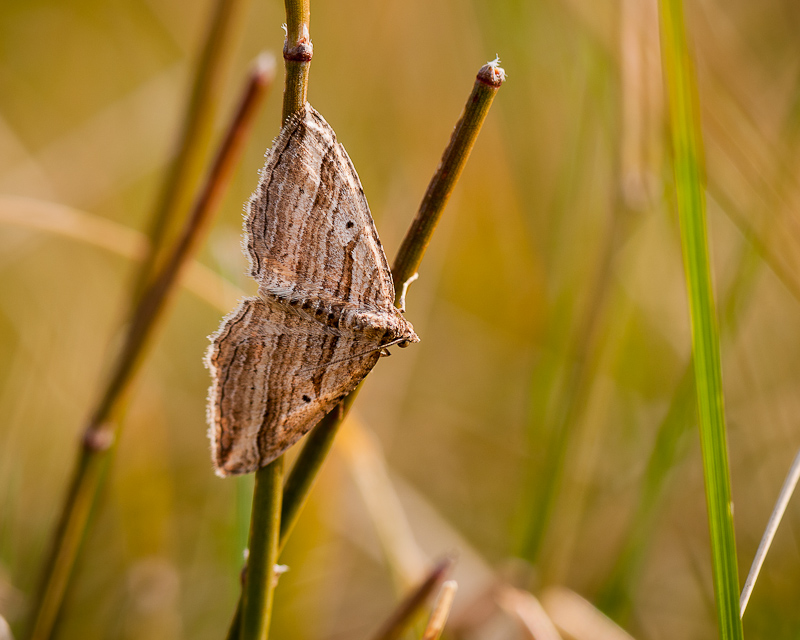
349 224
306 398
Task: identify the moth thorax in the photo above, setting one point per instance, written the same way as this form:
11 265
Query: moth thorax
367 322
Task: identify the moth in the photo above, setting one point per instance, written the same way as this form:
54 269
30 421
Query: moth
325 306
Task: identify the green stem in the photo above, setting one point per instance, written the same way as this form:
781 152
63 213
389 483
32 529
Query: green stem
297 53
300 480
102 428
689 184
198 123
259 583
252 615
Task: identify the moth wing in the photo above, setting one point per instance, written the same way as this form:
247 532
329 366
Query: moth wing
309 229
275 375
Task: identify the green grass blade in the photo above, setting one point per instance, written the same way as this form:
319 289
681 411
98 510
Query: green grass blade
689 185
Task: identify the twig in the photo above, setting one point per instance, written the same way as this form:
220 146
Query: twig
440 611
102 428
769 533
198 124
401 617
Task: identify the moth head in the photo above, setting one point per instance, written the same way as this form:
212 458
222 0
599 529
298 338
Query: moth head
408 338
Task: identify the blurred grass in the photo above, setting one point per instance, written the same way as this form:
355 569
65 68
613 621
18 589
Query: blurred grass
688 166
89 99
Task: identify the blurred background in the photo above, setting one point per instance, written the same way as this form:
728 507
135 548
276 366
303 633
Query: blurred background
543 430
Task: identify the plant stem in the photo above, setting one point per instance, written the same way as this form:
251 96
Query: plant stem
301 479
489 79
102 428
252 616
402 616
297 54
259 584
198 123
689 184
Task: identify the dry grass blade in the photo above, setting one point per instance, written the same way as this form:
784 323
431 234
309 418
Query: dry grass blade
577 618
688 148
440 611
529 612
67 222
403 615
787 490
368 467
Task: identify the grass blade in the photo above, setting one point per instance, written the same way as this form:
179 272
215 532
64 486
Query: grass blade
440 611
785 495
690 191
402 616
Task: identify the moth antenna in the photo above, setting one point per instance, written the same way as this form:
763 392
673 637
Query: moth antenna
383 347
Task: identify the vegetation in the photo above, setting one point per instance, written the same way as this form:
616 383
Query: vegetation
545 430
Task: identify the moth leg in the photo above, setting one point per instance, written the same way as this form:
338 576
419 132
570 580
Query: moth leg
404 291
385 353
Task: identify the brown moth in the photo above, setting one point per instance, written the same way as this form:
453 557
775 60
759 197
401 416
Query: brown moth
325 306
